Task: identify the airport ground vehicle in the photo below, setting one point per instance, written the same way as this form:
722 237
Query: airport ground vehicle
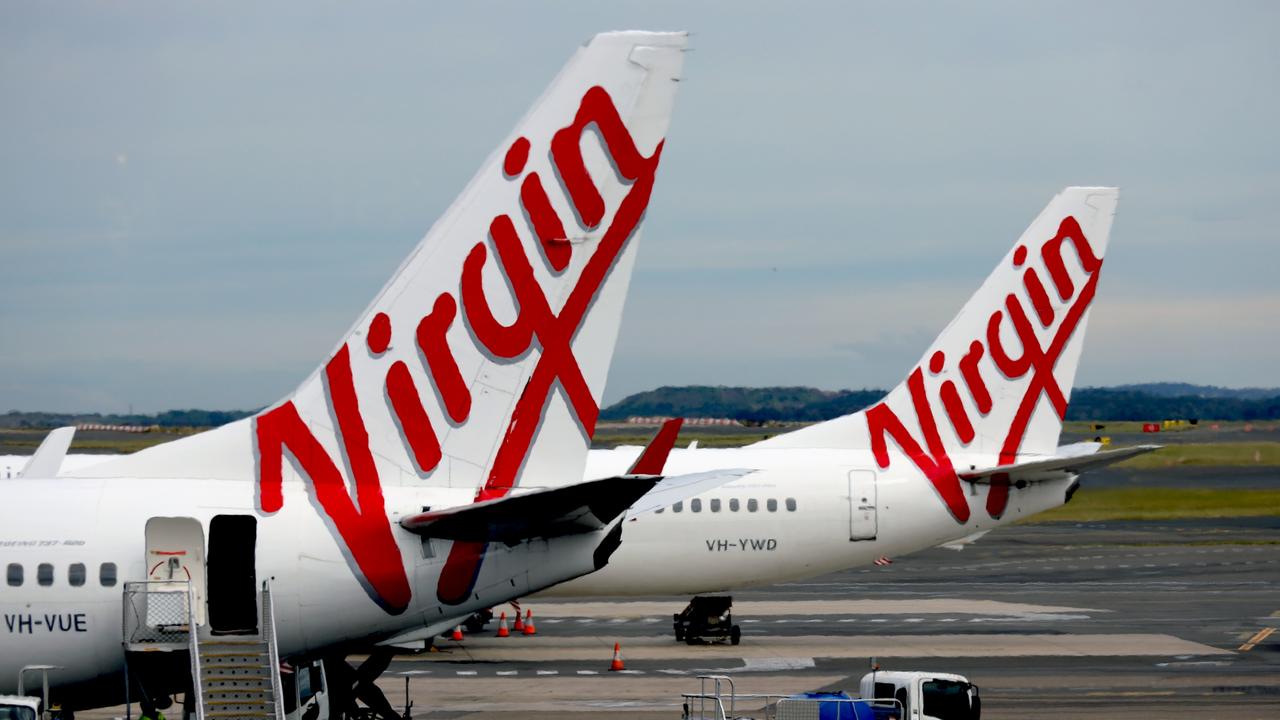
883 695
707 616
18 707
923 695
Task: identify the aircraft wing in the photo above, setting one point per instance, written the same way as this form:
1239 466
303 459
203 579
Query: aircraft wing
1054 468
546 512
47 459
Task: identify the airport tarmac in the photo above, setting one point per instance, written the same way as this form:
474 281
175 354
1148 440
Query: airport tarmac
1132 619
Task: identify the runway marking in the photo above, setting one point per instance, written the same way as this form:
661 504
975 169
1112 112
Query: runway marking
1257 638
467 672
508 672
588 672
548 672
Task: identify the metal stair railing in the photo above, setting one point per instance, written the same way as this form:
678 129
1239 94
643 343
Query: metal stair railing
273 652
197 682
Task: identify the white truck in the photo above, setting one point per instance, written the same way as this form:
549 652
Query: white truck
882 695
921 695
19 707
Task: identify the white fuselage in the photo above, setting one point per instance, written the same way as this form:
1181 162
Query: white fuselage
809 505
66 522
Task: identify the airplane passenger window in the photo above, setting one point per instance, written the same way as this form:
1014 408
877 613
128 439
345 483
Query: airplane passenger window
715 504
44 574
75 574
772 504
733 504
695 505
15 574
678 506
753 505
107 574
791 504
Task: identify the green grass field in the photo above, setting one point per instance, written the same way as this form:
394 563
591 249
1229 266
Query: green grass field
1216 454
1091 505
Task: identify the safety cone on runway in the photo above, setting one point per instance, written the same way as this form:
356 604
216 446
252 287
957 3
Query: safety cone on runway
502 626
519 624
529 629
616 665
457 633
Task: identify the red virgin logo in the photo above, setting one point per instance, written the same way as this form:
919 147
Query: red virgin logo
1035 361
361 525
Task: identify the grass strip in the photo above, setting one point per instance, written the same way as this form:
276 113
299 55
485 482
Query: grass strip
1090 505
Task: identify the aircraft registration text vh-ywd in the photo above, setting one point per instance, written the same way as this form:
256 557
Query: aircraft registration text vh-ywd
377 499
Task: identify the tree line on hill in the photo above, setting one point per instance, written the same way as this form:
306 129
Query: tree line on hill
1154 401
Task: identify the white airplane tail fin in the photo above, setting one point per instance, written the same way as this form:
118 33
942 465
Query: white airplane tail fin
482 363
996 382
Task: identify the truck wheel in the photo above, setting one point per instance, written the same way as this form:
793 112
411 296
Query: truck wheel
691 639
679 632
735 635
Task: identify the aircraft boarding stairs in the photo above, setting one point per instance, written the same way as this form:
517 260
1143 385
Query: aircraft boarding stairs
237 676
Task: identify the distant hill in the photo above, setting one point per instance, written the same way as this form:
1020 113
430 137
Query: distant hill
1155 401
1177 389
752 405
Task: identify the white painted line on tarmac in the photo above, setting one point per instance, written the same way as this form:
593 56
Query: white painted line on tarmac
508 672
548 672
588 672
467 672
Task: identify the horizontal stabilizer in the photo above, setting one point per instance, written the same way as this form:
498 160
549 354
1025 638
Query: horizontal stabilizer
964 541
1054 468
47 460
675 488
549 512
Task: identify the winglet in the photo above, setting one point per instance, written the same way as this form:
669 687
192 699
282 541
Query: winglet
654 456
47 459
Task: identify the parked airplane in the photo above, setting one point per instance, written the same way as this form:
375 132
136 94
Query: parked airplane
353 502
967 443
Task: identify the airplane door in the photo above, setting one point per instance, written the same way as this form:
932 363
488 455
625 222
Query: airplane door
175 556
862 505
233 583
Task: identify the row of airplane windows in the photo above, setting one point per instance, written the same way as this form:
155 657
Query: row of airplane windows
753 505
76 574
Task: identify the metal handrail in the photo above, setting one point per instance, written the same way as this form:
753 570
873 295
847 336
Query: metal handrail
194 649
273 653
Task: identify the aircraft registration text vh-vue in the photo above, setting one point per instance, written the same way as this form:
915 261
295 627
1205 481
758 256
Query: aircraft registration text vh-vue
437 463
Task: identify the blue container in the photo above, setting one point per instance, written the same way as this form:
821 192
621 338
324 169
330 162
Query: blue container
838 706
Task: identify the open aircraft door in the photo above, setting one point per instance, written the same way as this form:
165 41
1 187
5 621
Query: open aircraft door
862 505
175 557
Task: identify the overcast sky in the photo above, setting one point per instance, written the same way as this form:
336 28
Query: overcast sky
196 200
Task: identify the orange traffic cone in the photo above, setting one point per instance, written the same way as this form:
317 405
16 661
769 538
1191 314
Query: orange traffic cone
502 626
529 629
457 633
519 624
616 665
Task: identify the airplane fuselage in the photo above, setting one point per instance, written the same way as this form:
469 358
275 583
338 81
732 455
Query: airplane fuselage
70 545
802 514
